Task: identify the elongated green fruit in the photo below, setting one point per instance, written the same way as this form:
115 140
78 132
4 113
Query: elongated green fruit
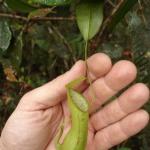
76 139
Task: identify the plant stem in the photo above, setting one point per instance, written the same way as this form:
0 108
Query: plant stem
85 57
87 72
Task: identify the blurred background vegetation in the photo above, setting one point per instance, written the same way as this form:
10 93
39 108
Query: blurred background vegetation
37 47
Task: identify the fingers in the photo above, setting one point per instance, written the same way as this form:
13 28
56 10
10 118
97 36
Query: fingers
99 65
130 101
53 92
121 74
120 131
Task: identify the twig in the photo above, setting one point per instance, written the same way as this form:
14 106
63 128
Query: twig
56 30
109 18
142 12
53 18
13 16
111 3
36 19
106 22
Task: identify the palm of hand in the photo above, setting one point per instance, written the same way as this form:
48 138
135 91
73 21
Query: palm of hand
36 120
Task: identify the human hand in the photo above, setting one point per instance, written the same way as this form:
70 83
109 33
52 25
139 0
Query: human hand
35 122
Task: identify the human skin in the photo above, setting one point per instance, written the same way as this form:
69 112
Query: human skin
37 118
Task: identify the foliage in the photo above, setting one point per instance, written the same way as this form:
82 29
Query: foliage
89 18
5 35
37 47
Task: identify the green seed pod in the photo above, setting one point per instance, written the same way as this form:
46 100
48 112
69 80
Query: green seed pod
76 139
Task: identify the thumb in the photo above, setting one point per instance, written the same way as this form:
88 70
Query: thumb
51 93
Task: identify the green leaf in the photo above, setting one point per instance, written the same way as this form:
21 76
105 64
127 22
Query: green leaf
20 6
51 2
16 52
89 18
5 35
121 12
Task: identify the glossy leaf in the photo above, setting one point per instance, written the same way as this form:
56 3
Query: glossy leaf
5 35
89 18
20 6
